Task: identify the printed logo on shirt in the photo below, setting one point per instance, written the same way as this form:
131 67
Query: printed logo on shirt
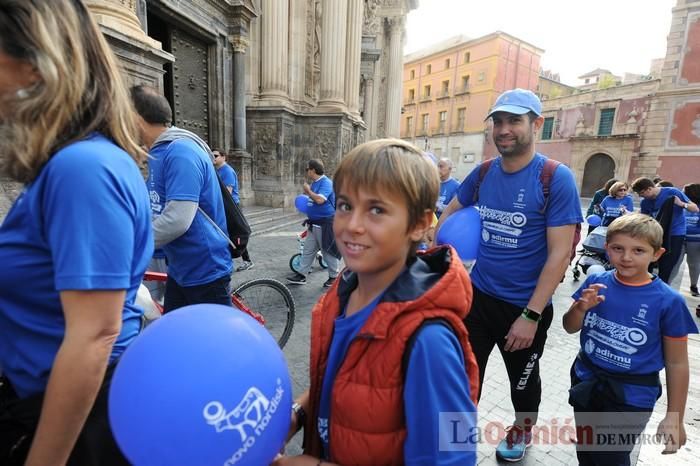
619 337
639 318
520 203
606 355
323 429
500 223
155 201
249 418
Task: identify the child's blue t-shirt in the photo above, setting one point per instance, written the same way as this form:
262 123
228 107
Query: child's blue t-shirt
83 224
513 246
692 226
624 333
228 176
448 189
612 208
182 171
324 187
436 382
652 206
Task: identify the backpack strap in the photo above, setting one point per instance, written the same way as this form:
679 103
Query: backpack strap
408 349
546 175
483 169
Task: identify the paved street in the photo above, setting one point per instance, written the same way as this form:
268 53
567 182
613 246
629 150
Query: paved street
271 253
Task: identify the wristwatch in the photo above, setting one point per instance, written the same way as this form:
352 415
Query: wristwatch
685 206
301 415
529 314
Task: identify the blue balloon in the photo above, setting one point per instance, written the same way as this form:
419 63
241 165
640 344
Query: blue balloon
594 220
462 230
302 203
205 384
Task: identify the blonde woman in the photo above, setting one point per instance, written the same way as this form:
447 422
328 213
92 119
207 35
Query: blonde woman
617 203
77 240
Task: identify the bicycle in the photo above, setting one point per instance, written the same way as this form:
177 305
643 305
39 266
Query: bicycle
295 260
264 299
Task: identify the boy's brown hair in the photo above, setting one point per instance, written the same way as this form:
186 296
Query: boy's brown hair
394 166
639 226
640 184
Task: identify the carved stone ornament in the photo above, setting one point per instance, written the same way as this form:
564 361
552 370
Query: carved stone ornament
370 23
239 43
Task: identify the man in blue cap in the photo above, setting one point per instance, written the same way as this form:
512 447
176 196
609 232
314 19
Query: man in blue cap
529 209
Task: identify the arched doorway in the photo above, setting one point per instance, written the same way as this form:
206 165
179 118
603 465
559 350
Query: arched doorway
599 169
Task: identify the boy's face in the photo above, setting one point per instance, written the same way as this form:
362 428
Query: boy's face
371 231
631 257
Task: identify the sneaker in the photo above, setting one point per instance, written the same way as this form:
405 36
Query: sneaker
694 290
328 283
244 266
297 279
512 448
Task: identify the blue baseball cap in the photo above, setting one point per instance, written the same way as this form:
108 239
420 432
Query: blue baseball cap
518 102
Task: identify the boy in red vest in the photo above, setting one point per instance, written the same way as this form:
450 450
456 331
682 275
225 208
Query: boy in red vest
393 377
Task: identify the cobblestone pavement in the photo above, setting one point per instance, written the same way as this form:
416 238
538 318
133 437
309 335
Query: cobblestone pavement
271 253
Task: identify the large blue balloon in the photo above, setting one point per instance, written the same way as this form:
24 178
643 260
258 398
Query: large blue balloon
302 203
462 230
594 220
205 384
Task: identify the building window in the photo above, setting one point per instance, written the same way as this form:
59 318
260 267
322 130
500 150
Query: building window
426 92
409 126
548 128
461 116
412 74
607 118
443 120
425 122
467 56
428 69
445 88
411 95
447 63
465 83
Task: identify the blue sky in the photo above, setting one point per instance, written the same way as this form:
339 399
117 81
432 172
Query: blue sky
578 36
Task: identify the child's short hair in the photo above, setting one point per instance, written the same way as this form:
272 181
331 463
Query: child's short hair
640 184
638 226
616 187
394 166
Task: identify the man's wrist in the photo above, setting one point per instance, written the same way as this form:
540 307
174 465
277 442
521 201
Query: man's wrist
530 315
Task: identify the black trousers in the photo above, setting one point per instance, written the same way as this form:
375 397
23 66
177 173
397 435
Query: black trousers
669 259
488 323
214 292
19 419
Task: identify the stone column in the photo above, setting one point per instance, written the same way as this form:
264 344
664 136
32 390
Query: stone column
121 16
275 44
333 44
368 104
393 99
352 57
239 45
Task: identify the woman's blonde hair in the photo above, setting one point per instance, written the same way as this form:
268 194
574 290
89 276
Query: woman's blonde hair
616 187
394 166
80 89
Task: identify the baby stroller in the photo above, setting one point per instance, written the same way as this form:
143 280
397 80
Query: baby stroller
593 253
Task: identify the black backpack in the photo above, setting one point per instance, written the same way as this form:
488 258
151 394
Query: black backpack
237 226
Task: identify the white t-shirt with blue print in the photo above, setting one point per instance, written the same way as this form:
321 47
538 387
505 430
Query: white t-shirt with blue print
624 333
513 246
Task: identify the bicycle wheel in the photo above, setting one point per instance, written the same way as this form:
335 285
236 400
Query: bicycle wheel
272 301
295 263
321 262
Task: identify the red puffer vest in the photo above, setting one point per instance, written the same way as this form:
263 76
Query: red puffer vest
368 426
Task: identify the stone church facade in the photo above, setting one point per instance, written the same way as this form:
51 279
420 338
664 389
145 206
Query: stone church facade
273 82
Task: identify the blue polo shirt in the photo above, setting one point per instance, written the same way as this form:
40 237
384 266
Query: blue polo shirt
612 208
181 171
228 176
513 246
324 187
448 189
652 206
83 224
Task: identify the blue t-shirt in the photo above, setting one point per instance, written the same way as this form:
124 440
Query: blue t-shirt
182 171
652 206
624 333
324 187
692 226
436 382
448 189
83 224
513 247
612 208
228 176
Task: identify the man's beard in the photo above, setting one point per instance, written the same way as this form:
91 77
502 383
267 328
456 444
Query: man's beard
520 146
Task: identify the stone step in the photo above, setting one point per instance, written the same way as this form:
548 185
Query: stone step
267 219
